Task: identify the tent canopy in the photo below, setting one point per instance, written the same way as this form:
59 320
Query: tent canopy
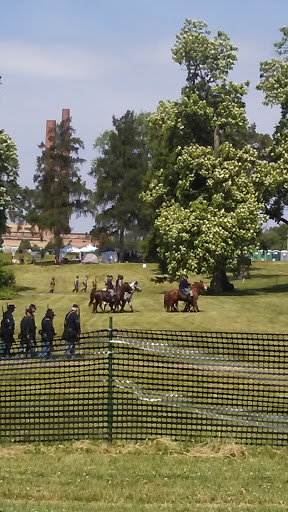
69 249
89 248
89 258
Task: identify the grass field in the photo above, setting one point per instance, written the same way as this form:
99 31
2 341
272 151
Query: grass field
149 477
259 304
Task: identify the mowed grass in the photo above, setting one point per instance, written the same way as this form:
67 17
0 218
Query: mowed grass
259 304
155 476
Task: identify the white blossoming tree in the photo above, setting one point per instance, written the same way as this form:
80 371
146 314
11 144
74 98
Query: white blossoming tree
208 195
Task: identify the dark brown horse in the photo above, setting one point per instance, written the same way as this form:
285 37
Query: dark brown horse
114 301
172 297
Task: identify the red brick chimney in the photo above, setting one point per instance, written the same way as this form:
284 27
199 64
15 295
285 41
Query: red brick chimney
50 132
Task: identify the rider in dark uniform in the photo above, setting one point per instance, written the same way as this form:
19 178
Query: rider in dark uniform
7 332
184 288
72 330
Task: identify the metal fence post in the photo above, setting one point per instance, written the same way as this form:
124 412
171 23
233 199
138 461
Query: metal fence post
110 381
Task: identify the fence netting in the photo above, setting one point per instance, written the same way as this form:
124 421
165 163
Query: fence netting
134 385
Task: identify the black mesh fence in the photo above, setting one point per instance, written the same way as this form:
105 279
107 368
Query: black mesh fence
134 385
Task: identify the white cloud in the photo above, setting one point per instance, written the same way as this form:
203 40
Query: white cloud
52 61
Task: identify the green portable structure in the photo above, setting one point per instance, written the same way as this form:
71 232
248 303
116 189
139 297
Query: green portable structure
276 255
268 256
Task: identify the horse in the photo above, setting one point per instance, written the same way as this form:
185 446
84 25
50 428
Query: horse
127 298
172 297
114 301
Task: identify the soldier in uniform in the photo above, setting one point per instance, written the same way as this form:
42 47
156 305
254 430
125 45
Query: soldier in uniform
109 285
72 330
47 333
27 335
52 285
85 284
76 284
7 332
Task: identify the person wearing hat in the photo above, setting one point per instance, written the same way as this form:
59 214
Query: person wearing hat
47 334
32 328
72 330
109 285
85 284
27 335
7 332
119 281
184 288
76 285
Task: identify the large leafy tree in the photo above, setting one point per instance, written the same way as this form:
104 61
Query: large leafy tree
9 167
119 171
59 190
207 190
274 85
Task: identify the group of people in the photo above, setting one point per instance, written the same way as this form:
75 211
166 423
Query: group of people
76 284
110 286
27 335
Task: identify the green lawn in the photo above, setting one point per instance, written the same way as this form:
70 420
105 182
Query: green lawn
259 304
148 477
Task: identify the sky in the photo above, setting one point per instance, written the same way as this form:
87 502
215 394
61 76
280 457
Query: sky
101 58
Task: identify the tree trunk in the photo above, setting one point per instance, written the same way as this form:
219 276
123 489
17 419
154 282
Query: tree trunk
216 141
121 244
220 283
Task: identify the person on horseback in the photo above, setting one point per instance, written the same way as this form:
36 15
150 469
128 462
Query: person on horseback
109 285
184 288
119 281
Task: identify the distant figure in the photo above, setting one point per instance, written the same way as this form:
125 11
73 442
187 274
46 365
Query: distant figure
52 285
76 285
47 334
109 285
94 283
7 332
72 330
56 261
85 284
119 281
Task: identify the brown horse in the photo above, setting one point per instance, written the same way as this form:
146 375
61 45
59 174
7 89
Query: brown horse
114 301
172 297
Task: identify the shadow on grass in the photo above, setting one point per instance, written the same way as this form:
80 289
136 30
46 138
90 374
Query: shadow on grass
24 288
277 288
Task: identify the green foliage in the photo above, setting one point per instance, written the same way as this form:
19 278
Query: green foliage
119 171
8 177
274 238
7 282
59 191
24 244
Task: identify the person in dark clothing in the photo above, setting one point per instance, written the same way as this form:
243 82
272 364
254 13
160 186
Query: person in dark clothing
27 335
7 332
32 309
72 330
109 285
47 333
184 288
119 281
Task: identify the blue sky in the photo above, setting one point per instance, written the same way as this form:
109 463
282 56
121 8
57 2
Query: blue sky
101 58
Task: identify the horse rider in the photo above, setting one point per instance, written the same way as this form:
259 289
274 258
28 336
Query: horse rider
47 334
184 288
72 330
109 285
119 281
7 332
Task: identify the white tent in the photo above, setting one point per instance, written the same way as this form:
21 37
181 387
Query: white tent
89 258
88 248
68 249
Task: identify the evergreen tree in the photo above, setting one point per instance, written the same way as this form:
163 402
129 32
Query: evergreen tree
119 171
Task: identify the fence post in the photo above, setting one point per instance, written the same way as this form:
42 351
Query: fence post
110 381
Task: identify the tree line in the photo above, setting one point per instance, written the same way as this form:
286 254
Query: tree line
193 181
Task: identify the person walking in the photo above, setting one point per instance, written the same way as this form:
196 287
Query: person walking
7 332
85 284
47 334
72 330
27 335
52 285
76 285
